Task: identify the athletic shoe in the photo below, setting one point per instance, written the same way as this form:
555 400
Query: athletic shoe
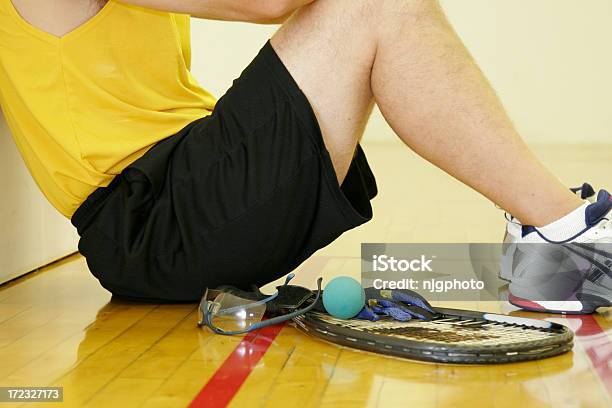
513 231
572 275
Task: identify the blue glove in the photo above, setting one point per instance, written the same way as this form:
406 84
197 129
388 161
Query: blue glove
400 305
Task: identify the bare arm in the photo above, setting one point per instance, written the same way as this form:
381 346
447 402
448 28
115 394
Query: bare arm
255 11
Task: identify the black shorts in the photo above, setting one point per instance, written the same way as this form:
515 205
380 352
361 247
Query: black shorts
240 197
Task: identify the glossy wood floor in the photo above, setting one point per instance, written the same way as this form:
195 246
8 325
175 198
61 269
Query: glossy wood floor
59 327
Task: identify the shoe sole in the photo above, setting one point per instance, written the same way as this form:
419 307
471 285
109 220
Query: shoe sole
532 306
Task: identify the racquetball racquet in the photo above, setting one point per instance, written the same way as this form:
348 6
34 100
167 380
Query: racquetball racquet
451 336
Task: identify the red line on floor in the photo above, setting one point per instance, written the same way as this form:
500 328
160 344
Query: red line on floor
597 346
234 371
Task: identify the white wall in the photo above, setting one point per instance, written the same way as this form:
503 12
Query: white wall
549 60
33 233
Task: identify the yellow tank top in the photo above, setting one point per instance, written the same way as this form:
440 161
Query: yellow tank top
83 106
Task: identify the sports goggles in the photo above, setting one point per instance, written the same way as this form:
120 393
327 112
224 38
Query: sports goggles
230 314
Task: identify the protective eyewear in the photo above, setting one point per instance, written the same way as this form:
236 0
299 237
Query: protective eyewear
230 314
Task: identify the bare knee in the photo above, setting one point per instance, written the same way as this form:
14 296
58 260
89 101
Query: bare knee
370 9
375 16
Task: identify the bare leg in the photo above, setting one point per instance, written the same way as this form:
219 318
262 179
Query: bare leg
404 55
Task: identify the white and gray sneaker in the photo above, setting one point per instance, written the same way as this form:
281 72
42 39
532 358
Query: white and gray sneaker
565 267
513 231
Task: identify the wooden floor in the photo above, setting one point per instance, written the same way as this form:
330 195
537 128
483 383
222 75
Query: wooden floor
58 327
